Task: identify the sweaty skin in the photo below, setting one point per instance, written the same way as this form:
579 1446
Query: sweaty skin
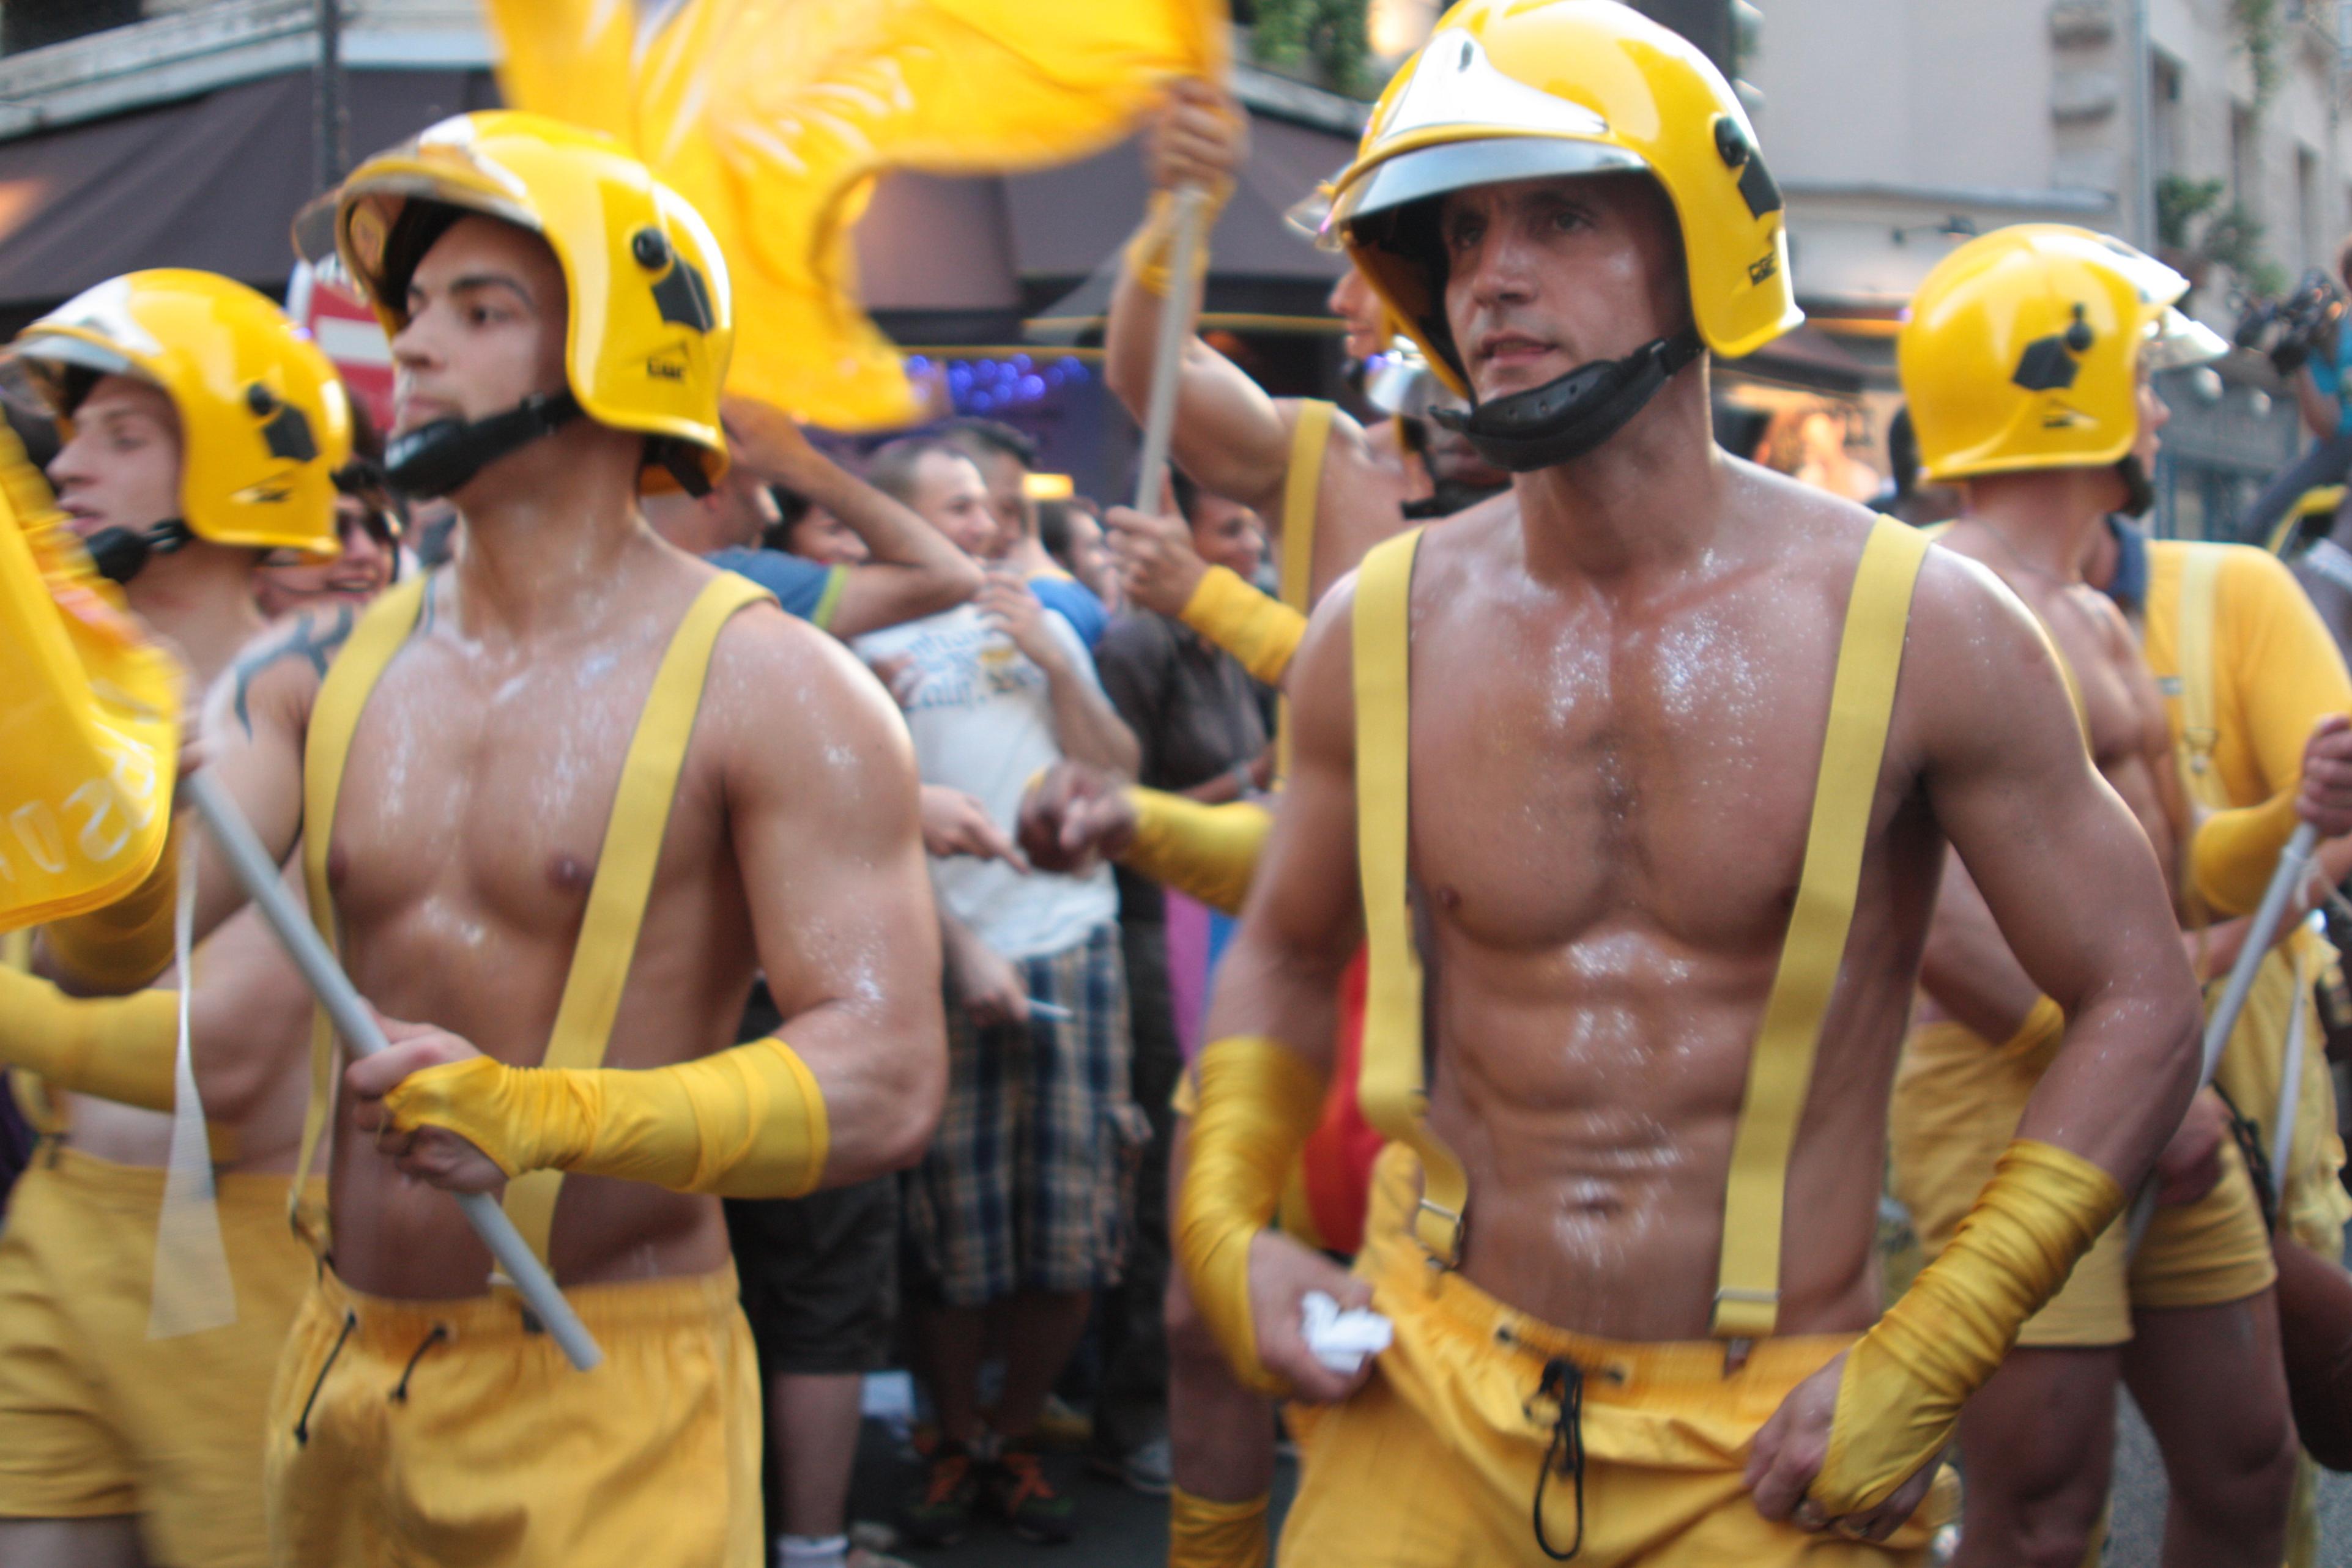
1620 677
1967 976
474 804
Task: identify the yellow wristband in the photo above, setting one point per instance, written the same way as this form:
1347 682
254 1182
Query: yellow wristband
124 1048
745 1123
1152 249
1900 1395
1208 852
1260 631
1258 1102
1205 1534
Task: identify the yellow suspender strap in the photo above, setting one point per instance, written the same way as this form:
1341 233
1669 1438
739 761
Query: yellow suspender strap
1302 486
625 870
2192 644
1393 1087
1781 1069
334 716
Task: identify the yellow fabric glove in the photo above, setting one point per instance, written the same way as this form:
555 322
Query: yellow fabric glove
125 1048
1152 248
1258 1102
1208 852
1205 1534
1904 1380
1260 631
2233 853
2037 1040
746 1122
127 944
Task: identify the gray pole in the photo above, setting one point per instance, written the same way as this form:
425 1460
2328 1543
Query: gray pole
327 96
2140 68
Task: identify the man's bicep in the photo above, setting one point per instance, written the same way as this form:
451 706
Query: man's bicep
1230 436
827 826
2065 869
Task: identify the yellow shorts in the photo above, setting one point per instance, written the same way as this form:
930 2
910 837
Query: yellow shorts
1435 1461
95 1418
448 1433
1957 1102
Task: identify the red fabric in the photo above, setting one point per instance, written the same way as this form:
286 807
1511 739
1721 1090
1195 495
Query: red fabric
1337 1163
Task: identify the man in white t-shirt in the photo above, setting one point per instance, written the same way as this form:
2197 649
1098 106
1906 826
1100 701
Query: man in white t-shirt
1016 1214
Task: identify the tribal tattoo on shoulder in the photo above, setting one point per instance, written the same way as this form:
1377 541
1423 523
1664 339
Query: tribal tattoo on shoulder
311 638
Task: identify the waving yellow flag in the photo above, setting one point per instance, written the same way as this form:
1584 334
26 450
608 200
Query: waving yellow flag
88 719
773 117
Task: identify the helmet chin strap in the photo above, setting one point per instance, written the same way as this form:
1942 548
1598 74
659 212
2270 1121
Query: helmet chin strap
2139 495
434 459
120 554
1568 417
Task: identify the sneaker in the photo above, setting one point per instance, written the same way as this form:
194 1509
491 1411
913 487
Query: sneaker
1016 1488
1148 1468
941 1510
1061 1429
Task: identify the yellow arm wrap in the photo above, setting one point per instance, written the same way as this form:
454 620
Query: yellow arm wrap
1208 852
1260 631
116 1048
127 944
2037 1040
1904 1380
1205 1534
2234 853
1153 246
1258 1102
746 1122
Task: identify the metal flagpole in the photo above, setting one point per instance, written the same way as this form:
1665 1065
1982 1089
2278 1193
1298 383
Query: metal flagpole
1191 206
2292 861
336 993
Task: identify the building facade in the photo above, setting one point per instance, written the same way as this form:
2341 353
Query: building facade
2211 131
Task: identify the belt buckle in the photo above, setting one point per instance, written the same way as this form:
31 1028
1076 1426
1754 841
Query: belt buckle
1457 1225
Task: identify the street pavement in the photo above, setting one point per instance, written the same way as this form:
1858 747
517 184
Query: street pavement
1122 1529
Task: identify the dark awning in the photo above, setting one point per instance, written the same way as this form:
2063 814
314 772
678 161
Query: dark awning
212 182
209 182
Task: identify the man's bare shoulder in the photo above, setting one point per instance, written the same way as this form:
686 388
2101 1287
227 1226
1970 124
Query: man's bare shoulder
788 698
1977 666
279 672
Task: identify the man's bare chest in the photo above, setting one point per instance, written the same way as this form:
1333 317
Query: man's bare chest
484 796
1661 772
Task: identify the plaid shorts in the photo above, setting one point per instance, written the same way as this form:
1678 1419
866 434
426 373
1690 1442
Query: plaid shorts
1028 1181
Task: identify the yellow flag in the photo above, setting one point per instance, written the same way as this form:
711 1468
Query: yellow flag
773 118
89 718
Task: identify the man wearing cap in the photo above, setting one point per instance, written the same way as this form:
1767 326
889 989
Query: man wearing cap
1627 786
562 797
204 435
2027 362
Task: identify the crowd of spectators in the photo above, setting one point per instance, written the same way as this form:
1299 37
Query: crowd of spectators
1018 1271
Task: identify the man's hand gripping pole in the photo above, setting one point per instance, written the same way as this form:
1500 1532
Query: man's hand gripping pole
342 1000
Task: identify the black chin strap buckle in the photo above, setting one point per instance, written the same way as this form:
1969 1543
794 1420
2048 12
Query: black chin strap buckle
119 554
